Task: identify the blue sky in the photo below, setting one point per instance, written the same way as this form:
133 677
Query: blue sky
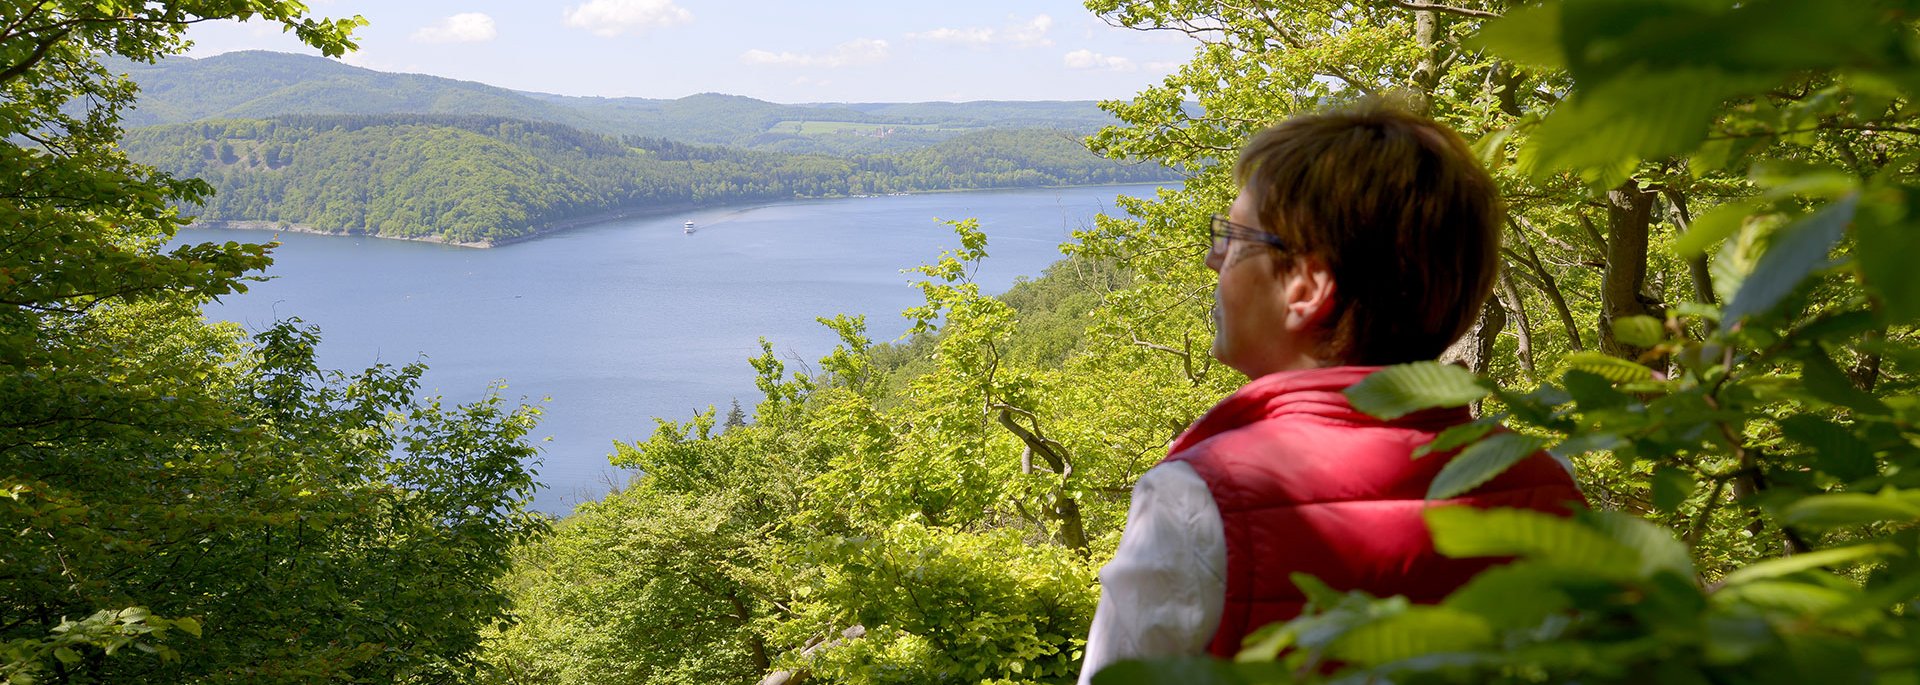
858 51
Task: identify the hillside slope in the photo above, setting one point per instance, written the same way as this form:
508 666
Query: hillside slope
483 180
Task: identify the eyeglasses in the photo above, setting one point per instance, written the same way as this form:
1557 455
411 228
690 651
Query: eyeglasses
1224 232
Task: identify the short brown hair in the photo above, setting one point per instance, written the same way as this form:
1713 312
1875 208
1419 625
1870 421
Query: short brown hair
1401 211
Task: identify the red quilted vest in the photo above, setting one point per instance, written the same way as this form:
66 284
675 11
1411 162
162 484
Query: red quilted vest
1306 483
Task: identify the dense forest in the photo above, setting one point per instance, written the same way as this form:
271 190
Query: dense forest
481 180
1705 305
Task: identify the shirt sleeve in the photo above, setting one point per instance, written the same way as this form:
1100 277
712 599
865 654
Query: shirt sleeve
1164 591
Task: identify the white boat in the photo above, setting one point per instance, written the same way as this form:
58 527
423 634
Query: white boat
688 228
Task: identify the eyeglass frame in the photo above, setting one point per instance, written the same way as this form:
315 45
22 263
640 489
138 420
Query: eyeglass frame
1222 231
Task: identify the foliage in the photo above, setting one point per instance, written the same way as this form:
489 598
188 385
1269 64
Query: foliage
874 522
173 489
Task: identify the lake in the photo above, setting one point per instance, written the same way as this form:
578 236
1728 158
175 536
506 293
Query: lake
621 322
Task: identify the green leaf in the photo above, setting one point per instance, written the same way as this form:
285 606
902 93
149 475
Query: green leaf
1887 242
1515 595
66 655
1851 509
1639 330
1712 227
1826 381
1396 391
1466 532
1609 367
1527 35
1806 561
1415 632
1642 114
189 625
1318 593
1671 488
1453 438
1733 639
1199 671
1593 392
1835 450
1266 643
1595 441
1797 250
1798 597
1658 549
1482 462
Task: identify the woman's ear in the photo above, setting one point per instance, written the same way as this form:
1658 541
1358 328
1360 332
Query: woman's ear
1308 291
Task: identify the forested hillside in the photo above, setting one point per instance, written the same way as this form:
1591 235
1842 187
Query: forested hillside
482 180
259 85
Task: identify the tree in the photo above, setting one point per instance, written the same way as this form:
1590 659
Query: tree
164 479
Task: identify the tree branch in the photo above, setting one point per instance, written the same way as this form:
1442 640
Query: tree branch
1446 9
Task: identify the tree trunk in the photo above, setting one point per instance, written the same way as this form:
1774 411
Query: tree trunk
1697 264
1066 509
1629 216
1475 349
1552 290
1517 307
1426 73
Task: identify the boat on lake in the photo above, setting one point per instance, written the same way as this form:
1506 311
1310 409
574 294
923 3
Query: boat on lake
688 228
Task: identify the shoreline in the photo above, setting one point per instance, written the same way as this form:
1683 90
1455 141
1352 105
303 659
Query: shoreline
594 218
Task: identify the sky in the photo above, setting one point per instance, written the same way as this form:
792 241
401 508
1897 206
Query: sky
777 50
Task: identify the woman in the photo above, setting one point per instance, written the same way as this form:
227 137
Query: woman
1359 239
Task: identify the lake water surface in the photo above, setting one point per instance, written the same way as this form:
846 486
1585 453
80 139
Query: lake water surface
621 322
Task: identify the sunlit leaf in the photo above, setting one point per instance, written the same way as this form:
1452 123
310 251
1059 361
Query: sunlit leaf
1712 227
1400 390
1658 549
1639 330
1806 561
1803 598
1460 531
1609 367
1481 462
1636 116
1851 509
1455 437
1797 250
1418 630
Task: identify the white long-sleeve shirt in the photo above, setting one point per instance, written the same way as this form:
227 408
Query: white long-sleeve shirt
1164 591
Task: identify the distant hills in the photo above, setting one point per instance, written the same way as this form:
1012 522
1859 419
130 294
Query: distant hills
309 143
260 85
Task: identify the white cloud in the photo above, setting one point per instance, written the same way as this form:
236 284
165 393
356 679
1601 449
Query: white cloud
1088 59
850 53
466 27
614 17
1024 34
